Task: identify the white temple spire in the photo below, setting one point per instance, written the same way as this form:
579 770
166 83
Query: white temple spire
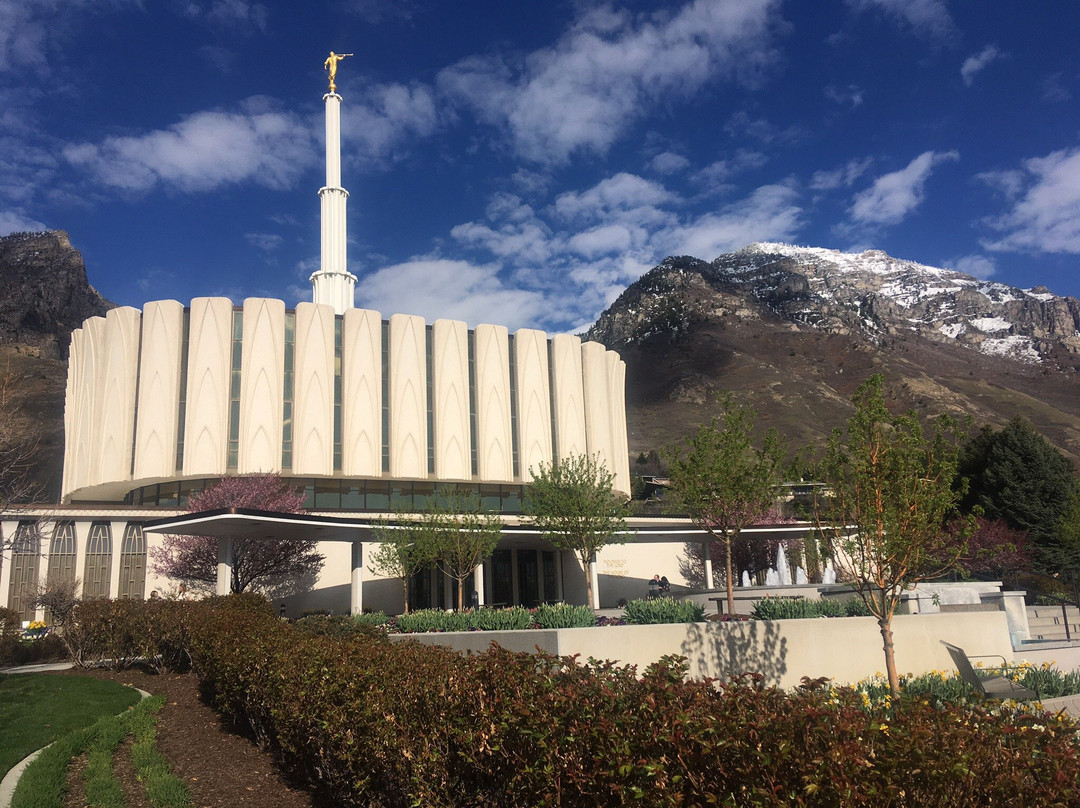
333 284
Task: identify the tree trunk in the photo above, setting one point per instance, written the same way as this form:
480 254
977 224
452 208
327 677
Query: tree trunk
890 655
460 593
588 583
405 587
727 562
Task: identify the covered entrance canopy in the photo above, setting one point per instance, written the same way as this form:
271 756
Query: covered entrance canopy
229 524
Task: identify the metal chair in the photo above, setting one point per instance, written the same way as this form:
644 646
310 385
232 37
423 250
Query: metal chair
999 687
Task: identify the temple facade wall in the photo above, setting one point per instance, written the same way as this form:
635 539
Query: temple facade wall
174 392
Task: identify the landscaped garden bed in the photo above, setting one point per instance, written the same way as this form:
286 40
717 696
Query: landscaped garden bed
372 722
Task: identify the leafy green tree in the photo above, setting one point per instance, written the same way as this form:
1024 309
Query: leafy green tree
889 497
575 507
723 481
404 550
1016 475
459 533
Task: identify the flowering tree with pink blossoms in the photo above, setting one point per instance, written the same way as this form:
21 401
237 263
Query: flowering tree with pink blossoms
257 564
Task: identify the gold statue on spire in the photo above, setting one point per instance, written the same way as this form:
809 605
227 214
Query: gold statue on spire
331 64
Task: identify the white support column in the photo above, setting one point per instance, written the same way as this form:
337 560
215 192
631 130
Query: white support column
116 541
478 582
595 581
224 565
356 595
706 548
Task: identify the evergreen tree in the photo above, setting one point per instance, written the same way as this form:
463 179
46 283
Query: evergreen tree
1016 475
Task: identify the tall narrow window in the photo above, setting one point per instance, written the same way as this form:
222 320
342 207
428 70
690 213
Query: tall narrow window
287 387
135 418
181 414
61 558
98 561
62 553
554 404
430 401
337 392
133 563
25 556
385 395
472 401
234 388
515 462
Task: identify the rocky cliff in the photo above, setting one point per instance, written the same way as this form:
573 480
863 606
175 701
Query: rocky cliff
44 293
794 330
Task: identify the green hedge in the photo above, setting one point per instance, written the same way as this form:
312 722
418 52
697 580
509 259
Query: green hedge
513 619
564 615
663 610
371 722
798 608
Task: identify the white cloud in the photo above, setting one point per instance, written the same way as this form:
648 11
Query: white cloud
238 15
852 95
770 213
1047 217
925 17
893 196
1010 183
980 266
974 65
28 27
387 117
622 192
267 242
715 176
204 151
741 124
458 290
668 163
581 252
842 177
12 221
609 70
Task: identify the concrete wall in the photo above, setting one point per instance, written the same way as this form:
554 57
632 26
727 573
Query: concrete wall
843 649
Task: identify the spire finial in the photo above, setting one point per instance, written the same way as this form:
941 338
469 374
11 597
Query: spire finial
331 64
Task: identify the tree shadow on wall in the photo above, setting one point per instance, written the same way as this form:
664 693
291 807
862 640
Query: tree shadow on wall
723 650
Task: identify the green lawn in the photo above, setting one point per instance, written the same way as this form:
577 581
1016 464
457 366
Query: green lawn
36 709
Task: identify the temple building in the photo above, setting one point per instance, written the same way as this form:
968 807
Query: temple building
366 413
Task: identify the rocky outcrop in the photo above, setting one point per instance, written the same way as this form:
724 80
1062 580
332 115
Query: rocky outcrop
794 330
44 293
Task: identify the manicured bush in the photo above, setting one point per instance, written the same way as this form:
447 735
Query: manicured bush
856 607
563 615
377 723
336 626
371 618
663 610
513 619
769 608
423 620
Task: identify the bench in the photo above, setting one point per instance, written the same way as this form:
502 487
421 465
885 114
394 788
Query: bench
999 687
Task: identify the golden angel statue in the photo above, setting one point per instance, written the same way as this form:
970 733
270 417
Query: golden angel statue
331 64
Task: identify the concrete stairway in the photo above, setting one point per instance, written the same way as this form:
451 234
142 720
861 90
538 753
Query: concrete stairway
1048 623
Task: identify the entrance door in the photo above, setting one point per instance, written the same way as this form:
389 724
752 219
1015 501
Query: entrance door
528 578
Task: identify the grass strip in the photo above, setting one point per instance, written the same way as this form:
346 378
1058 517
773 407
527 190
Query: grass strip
163 788
38 708
44 783
103 790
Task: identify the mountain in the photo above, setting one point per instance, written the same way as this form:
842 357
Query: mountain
794 330
44 294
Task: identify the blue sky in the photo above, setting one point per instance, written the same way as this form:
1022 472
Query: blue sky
523 162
